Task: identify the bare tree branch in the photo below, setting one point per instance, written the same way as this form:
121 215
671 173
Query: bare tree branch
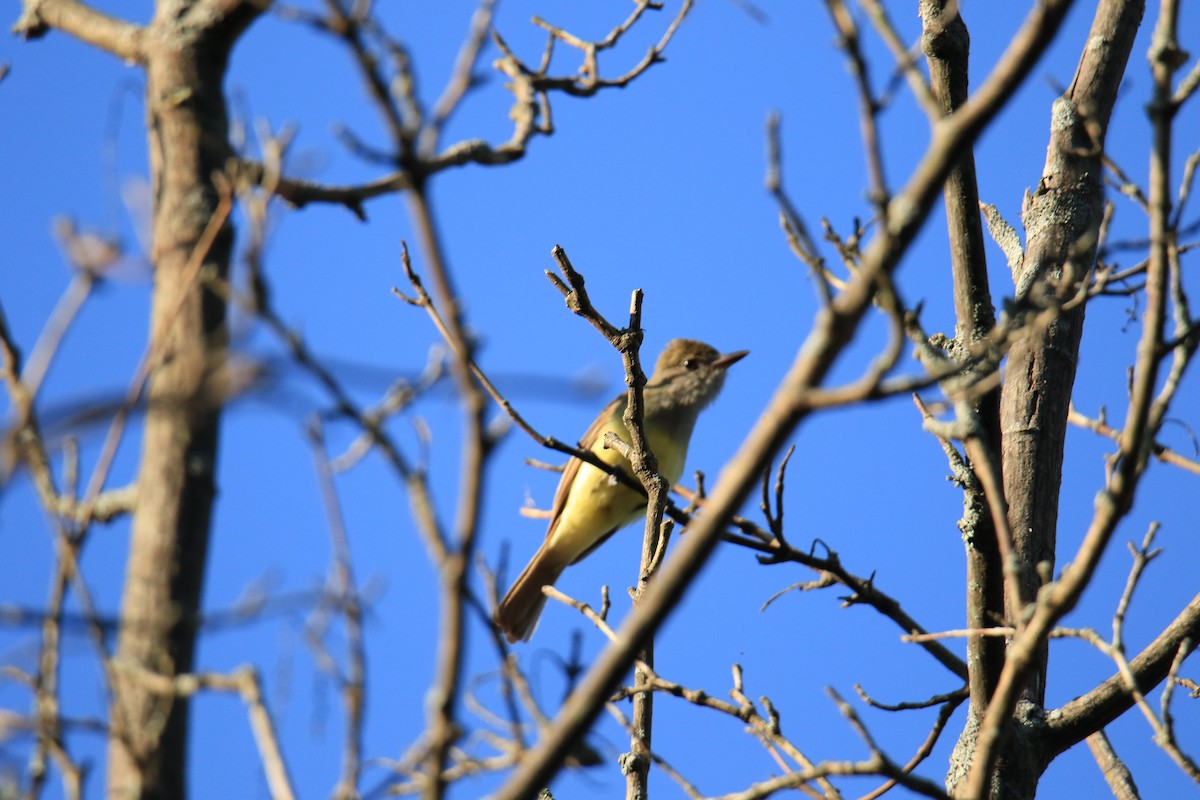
122 39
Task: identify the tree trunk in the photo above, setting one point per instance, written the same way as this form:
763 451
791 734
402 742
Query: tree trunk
186 54
1062 218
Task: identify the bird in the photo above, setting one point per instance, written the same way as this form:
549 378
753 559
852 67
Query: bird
590 505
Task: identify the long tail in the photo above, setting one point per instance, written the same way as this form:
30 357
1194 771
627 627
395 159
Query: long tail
518 612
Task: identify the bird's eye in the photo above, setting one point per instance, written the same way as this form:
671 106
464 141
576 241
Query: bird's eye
690 363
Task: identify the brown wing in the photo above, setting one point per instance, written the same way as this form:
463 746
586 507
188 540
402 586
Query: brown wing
572 468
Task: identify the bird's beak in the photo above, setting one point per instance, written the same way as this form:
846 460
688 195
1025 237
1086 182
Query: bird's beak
729 359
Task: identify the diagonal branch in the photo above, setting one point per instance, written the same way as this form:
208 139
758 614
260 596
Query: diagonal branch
1091 712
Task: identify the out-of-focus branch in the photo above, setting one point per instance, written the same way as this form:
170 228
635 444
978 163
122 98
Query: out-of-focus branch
905 57
343 403
185 54
1160 451
798 237
300 193
354 683
23 442
79 514
461 81
89 255
868 106
1116 774
123 39
454 568
348 22
588 80
246 683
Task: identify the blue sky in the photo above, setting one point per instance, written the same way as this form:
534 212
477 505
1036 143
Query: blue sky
658 186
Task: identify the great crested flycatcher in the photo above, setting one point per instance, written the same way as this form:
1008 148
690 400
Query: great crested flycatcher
591 505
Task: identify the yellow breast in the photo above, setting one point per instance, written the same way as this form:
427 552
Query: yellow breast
598 502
